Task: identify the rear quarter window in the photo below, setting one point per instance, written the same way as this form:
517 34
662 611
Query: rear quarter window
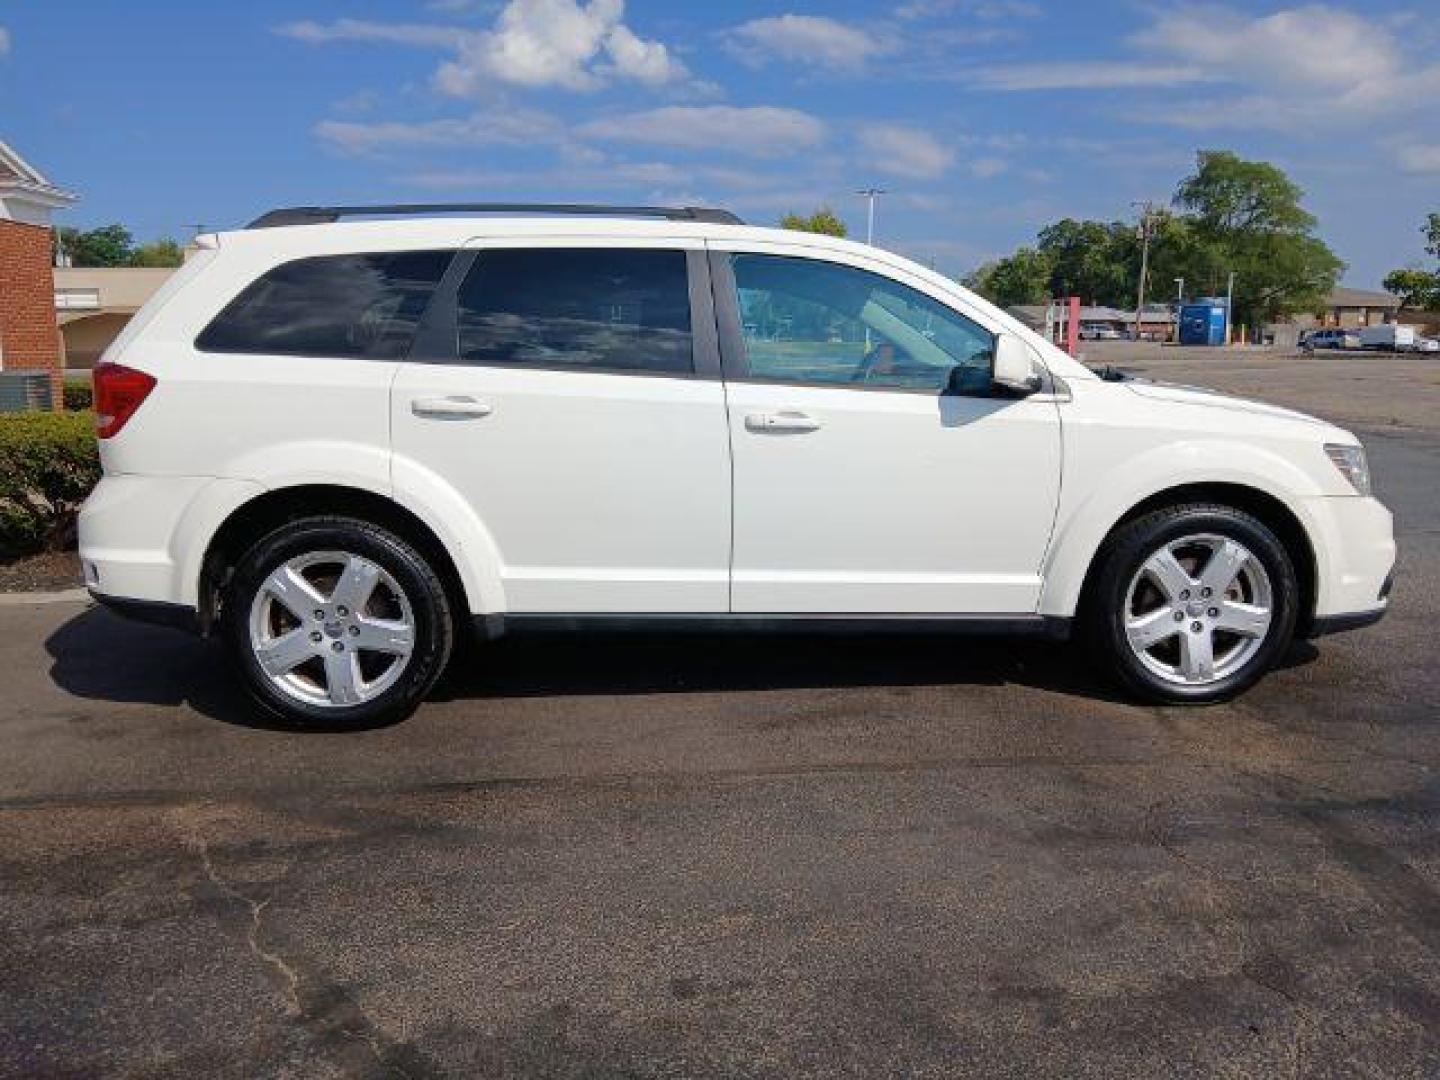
363 306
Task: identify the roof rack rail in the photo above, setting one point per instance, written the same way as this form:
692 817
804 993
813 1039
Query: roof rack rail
324 215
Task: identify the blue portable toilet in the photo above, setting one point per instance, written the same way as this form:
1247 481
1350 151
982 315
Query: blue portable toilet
1202 323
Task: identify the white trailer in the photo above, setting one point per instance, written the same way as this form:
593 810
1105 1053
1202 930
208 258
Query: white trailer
1390 336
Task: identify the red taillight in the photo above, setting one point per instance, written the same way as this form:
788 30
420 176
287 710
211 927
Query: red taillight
119 391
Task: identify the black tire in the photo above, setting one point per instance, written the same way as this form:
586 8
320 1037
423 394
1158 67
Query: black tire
1105 608
429 609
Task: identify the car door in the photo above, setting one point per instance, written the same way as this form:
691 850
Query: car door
873 470
570 393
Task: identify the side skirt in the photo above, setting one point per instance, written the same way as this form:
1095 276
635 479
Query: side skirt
1053 627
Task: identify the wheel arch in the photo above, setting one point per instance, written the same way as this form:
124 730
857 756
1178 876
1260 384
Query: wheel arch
257 517
1267 508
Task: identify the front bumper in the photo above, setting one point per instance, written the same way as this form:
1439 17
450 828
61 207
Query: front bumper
1354 543
1325 625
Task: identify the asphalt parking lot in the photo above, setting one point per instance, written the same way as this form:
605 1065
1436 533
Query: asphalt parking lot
719 856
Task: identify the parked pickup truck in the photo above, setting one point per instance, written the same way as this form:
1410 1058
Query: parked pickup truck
1391 336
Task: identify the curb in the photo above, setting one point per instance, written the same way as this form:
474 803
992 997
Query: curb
27 599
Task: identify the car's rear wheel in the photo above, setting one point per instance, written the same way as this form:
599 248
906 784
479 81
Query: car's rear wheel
1193 603
336 622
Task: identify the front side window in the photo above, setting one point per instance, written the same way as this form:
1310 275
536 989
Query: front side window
605 309
358 306
805 321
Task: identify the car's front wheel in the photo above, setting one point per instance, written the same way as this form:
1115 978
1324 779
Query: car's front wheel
336 622
1193 603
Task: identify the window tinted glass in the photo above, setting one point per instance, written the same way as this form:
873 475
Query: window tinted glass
815 322
596 308
331 305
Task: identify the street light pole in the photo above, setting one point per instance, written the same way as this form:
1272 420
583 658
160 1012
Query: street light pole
870 194
1179 303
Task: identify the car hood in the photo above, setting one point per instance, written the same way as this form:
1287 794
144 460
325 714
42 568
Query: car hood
1196 395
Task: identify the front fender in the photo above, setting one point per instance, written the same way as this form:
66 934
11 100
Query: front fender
1086 516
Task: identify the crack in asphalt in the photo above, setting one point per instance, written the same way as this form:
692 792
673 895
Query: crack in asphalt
257 914
334 1020
1303 1017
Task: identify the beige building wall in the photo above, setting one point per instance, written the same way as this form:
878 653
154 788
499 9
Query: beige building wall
93 304
86 338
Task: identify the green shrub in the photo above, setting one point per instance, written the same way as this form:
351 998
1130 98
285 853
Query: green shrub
48 464
78 395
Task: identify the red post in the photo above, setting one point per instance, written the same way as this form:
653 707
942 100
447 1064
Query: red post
1072 324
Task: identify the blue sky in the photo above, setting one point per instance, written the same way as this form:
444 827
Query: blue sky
984 119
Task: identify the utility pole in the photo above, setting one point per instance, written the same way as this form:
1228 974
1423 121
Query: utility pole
1229 306
870 193
1179 303
1146 209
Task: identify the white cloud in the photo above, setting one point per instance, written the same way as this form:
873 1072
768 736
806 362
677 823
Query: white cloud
1313 66
463 7
419 34
1314 45
592 175
1417 158
814 40
4 41
572 44
987 168
362 101
1084 75
981 9
564 43
1308 68
496 127
760 131
904 151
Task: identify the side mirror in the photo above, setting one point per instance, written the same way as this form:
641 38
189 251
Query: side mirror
1014 369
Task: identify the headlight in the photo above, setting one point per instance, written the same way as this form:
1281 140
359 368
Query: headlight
1350 460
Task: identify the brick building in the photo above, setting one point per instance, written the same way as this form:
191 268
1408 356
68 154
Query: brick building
29 338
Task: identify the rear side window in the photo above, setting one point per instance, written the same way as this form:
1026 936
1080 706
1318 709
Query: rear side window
597 308
361 306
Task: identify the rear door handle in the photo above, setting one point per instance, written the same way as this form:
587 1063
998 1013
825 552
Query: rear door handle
450 408
787 421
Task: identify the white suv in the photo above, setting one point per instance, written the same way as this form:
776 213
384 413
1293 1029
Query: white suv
340 443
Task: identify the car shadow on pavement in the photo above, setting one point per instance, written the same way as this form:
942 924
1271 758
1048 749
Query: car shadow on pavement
630 663
98 656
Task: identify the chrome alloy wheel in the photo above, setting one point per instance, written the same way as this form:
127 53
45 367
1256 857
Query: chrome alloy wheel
330 628
1198 609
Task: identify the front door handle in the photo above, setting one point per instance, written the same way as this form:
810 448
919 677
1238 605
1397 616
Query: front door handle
786 422
450 408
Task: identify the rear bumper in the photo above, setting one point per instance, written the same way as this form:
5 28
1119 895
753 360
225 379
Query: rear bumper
143 538
155 612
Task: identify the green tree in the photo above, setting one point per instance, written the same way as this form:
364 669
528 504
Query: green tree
1419 288
109 245
823 220
162 252
1245 217
1021 278
1093 260
113 245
